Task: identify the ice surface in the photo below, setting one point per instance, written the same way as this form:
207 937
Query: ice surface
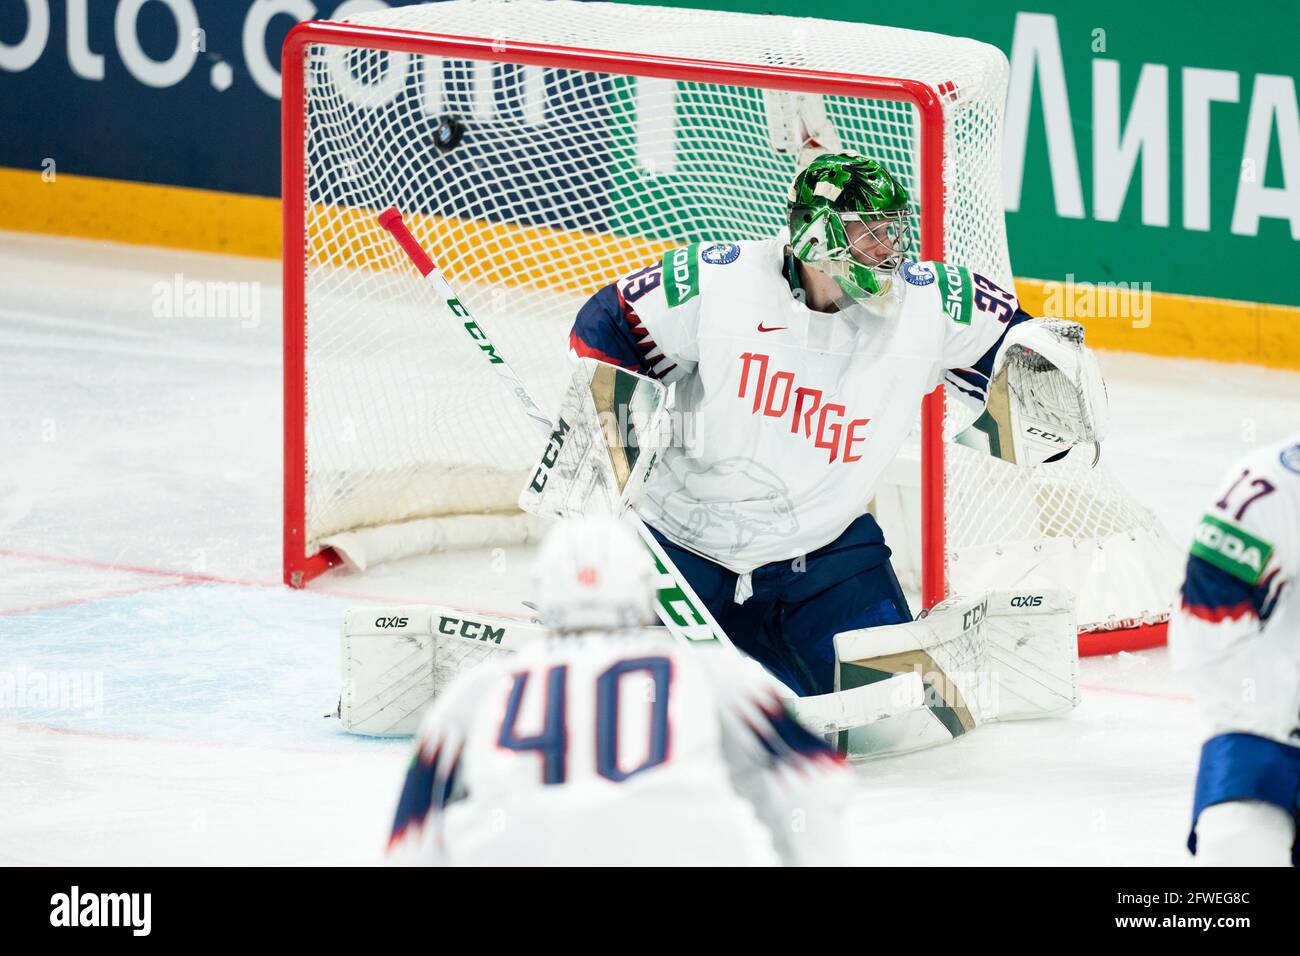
167 698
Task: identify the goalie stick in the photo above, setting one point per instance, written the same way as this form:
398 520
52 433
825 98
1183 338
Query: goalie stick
677 605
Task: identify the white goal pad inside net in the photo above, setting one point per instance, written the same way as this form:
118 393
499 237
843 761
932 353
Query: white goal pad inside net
583 141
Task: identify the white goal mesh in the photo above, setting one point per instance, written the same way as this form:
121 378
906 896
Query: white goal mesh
570 173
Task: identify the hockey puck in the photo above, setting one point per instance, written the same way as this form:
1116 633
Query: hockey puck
447 134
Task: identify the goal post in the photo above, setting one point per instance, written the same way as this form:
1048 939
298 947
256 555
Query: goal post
540 149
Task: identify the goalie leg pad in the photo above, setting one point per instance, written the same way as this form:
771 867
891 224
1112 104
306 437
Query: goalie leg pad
396 660
999 655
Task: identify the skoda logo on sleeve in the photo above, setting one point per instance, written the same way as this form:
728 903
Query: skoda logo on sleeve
721 253
917 275
1290 458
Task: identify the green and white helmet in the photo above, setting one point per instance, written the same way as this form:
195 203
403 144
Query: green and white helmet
834 190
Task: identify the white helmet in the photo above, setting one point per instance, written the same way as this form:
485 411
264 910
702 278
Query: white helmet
594 573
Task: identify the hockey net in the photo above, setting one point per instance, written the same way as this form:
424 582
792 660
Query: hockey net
585 140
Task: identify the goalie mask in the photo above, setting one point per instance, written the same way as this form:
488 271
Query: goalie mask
850 219
594 574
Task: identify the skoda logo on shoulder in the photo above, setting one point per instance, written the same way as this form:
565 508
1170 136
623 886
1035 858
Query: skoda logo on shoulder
917 275
721 253
1290 458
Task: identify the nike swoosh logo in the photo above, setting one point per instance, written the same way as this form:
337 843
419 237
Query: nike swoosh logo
778 328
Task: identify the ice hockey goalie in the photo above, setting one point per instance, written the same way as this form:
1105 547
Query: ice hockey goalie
800 363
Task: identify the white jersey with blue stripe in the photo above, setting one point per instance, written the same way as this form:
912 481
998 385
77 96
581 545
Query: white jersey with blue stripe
622 748
1236 626
788 416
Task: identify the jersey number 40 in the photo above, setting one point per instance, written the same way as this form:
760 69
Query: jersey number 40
552 744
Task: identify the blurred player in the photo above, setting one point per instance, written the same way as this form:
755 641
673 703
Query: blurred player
613 745
1236 633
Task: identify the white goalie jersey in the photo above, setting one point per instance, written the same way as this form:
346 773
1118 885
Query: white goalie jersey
788 416
1236 629
618 749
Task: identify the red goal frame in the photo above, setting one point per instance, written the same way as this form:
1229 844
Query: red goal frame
298 566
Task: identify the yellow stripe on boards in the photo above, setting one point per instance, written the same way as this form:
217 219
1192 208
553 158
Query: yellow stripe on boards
143 214
140 213
473 250
1168 324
